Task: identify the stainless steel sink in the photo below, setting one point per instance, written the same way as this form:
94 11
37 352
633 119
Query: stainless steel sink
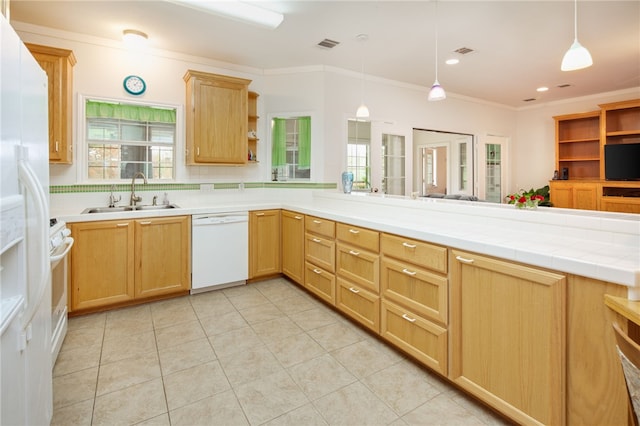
128 208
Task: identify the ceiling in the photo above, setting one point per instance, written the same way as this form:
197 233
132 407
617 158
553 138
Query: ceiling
517 45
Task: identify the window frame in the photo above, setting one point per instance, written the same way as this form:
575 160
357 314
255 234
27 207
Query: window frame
314 152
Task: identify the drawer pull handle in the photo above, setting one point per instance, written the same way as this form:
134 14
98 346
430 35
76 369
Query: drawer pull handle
316 240
122 224
408 318
259 214
464 259
355 253
57 146
317 271
317 221
354 290
354 231
297 217
407 245
146 222
408 272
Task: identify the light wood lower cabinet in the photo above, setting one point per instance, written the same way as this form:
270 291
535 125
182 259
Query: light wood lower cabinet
358 303
320 282
574 195
508 337
118 261
358 266
264 243
293 245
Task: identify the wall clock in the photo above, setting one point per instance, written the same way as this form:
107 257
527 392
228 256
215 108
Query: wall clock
134 85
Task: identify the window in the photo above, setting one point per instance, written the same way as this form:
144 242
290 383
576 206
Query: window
291 148
124 139
359 153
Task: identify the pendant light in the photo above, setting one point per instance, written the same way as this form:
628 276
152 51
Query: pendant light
437 91
577 57
363 111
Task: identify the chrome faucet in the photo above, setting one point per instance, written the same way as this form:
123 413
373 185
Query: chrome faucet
113 200
134 198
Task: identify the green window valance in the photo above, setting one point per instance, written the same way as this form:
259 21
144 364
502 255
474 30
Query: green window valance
95 109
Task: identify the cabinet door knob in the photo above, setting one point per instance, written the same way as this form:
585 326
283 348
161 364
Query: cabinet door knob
317 271
146 222
408 272
297 217
316 240
354 290
464 259
317 221
259 214
120 225
57 146
355 253
408 318
407 245
354 231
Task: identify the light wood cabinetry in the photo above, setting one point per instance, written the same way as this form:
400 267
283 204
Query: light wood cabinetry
358 271
507 337
293 245
252 127
216 118
574 195
120 261
578 145
264 243
58 64
320 258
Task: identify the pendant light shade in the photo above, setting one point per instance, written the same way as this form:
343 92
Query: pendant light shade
363 111
577 57
437 92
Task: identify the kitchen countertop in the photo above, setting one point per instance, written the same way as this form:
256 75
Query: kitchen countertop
599 245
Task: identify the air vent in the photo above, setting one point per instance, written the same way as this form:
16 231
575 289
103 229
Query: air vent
463 50
328 44
562 86
529 100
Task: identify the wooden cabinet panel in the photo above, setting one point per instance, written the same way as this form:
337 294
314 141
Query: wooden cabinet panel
359 266
320 251
422 339
320 282
102 264
360 237
426 255
264 243
574 195
507 333
58 65
419 290
360 304
164 249
320 226
293 246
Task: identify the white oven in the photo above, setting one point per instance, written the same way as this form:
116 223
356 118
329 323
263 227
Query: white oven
60 245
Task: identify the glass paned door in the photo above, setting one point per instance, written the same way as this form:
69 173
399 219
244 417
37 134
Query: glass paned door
492 171
393 164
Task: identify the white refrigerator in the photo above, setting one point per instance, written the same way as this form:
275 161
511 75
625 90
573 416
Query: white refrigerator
25 273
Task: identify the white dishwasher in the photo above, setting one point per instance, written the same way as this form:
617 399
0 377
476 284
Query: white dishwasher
219 250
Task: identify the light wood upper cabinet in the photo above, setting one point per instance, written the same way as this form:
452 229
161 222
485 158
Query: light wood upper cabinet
58 64
507 336
264 243
293 245
216 118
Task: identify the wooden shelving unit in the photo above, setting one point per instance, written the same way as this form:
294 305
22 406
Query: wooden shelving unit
252 126
578 145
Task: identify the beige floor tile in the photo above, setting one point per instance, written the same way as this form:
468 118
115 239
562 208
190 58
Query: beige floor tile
240 340
402 386
243 298
74 387
211 303
129 346
253 364
483 413
82 337
127 372
115 331
336 336
441 410
220 409
179 334
87 321
269 397
127 321
161 420
185 386
184 356
130 405
354 405
364 358
277 289
314 318
172 311
306 415
276 329
295 349
320 376
218 324
295 304
77 359
260 313
78 414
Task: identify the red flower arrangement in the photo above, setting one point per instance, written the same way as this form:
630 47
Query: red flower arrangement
523 199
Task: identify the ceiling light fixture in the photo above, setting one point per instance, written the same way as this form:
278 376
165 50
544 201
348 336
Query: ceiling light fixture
237 10
452 61
577 57
134 39
437 91
363 111
542 89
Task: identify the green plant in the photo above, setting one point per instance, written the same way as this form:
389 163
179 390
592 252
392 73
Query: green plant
530 198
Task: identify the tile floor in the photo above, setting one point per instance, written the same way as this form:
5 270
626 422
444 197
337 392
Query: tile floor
262 354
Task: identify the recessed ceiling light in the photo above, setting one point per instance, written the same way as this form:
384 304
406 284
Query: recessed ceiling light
452 61
542 89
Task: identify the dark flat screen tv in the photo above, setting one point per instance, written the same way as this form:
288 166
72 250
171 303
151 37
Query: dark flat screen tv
622 161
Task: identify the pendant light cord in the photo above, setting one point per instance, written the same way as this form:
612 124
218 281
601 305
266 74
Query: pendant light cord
436 40
575 19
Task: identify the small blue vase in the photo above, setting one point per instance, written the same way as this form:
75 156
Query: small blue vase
347 182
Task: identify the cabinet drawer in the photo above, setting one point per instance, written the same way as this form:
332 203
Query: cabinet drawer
360 304
424 340
320 226
320 282
415 288
420 253
359 266
360 237
320 251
